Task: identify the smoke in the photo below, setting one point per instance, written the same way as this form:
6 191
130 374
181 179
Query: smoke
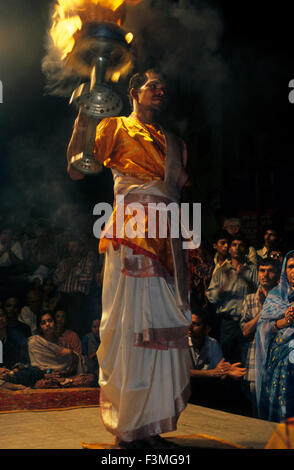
181 37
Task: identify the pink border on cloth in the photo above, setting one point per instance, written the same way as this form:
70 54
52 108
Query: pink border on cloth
148 430
163 338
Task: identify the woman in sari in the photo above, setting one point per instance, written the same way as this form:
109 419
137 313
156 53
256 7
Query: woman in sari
275 349
47 354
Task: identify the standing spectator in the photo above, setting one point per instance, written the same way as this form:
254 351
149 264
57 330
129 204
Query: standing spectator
221 246
40 254
73 277
271 239
233 227
201 268
30 312
274 349
268 275
228 287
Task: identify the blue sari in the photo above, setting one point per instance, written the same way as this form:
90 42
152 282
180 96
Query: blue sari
275 355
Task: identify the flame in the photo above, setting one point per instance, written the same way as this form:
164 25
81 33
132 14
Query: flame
70 15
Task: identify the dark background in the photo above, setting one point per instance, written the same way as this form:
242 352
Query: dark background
240 149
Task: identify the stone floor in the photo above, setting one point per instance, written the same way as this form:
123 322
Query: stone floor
68 429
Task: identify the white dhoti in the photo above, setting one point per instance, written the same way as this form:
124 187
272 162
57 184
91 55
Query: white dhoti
143 356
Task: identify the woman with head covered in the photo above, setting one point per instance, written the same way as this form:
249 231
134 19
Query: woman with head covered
275 349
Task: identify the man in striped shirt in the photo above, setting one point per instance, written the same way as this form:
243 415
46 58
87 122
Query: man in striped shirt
268 275
73 276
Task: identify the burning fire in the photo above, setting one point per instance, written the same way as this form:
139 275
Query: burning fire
70 15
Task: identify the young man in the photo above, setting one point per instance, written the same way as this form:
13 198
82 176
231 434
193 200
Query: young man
221 247
143 356
228 287
208 366
271 239
268 276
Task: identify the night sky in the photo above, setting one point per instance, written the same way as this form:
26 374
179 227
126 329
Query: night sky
232 110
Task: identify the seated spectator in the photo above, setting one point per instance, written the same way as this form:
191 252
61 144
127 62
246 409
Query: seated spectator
51 297
221 247
32 309
14 343
45 352
90 344
271 239
12 308
274 349
233 227
268 276
228 288
66 338
208 366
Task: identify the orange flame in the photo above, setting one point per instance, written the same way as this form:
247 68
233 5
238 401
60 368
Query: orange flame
70 15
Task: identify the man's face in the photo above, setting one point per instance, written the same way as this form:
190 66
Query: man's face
270 238
267 276
222 247
12 307
95 327
34 301
237 249
152 95
197 328
3 319
233 229
290 272
5 235
60 317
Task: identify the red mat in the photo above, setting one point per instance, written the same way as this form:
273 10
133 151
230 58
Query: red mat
48 399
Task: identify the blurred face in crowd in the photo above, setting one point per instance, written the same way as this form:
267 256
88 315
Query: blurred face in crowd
3 319
12 307
60 318
34 301
222 247
73 247
233 229
47 325
5 235
270 238
237 249
95 327
268 276
277 254
290 272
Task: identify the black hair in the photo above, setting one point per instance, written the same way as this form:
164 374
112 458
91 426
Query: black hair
138 79
220 235
270 262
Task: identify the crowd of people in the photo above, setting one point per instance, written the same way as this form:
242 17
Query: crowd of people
240 339
50 307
